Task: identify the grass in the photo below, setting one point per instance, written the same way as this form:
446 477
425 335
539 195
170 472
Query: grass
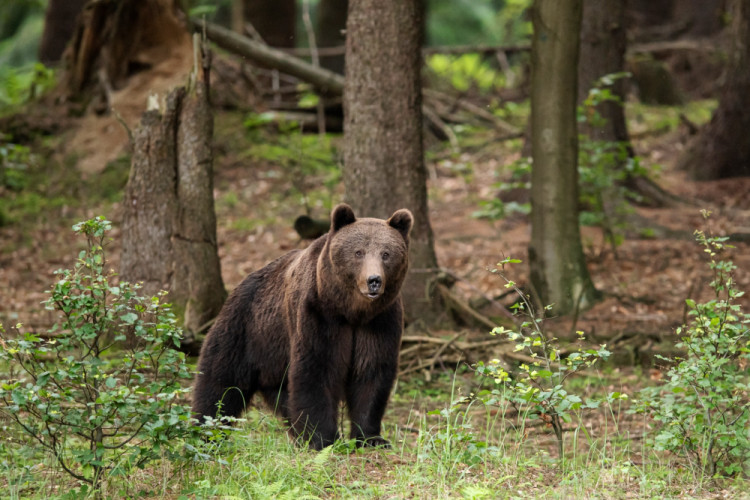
439 451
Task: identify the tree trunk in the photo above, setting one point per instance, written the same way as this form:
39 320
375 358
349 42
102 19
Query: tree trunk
558 270
603 46
169 223
722 148
383 159
331 26
274 20
59 25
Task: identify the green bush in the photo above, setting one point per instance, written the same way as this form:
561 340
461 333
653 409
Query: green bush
537 388
704 404
100 392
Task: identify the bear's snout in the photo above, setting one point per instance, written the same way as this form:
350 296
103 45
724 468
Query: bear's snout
374 285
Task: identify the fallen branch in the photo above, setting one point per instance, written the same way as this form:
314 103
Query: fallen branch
430 351
469 107
466 310
675 45
324 80
321 78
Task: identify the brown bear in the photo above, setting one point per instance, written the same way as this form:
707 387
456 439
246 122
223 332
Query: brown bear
313 328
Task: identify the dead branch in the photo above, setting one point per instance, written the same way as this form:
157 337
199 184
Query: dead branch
674 46
461 307
471 108
429 351
434 119
326 81
500 307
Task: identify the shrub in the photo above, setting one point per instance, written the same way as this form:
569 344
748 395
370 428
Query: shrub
537 388
704 404
98 405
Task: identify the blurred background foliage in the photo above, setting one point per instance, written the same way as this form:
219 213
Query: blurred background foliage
21 25
477 22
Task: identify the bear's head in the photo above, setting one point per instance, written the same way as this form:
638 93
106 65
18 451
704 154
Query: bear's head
367 258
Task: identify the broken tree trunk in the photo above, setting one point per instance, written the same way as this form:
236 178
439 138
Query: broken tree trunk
169 223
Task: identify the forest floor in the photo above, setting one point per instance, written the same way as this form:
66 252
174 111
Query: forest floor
258 194
645 279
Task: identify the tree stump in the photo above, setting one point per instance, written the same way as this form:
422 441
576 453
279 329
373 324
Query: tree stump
169 223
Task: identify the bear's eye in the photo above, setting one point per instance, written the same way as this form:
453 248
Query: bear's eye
386 256
359 254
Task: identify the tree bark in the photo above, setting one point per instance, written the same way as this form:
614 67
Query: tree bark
331 26
59 25
169 223
558 269
602 53
383 158
274 20
722 148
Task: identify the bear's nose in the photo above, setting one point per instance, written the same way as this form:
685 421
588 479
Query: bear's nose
374 283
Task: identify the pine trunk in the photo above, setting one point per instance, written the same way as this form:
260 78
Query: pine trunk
384 167
558 270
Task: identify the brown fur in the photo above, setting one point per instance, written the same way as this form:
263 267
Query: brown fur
314 328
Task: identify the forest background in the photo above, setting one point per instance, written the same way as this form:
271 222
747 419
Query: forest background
611 361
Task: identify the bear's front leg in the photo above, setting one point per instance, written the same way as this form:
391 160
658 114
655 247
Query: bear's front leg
315 373
374 369
312 410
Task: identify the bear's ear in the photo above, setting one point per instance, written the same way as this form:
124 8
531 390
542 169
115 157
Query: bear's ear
341 216
401 221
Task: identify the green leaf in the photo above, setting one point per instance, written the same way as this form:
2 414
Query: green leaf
129 318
